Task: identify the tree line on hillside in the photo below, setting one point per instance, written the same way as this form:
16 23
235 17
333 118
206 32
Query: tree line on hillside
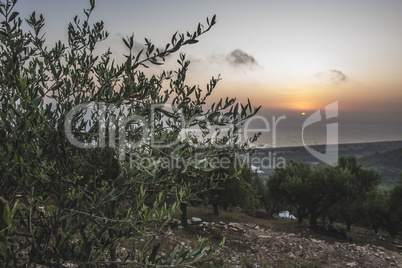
345 193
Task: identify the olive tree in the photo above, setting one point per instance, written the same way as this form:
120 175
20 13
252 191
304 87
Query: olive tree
361 182
289 185
323 190
76 128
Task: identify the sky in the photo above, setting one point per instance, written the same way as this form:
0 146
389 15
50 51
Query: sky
288 56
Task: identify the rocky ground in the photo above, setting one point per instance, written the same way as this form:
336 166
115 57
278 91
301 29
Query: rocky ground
249 245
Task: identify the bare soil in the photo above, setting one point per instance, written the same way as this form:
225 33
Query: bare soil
250 245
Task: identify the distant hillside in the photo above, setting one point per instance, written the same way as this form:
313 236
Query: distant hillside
389 164
386 157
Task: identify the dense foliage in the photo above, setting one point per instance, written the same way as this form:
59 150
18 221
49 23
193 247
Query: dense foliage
345 193
92 149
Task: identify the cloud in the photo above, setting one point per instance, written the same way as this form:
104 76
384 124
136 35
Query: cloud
332 76
240 58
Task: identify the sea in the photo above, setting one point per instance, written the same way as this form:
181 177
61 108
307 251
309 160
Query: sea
293 133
